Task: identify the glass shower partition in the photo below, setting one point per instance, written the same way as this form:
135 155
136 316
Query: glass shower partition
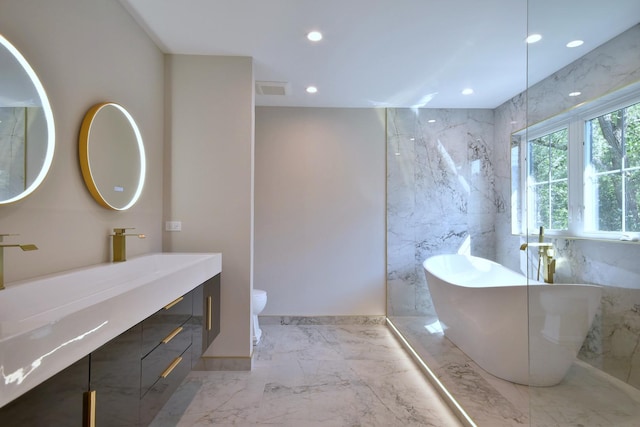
580 150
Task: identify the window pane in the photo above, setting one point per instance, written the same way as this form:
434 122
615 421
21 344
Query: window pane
558 153
614 144
608 202
539 159
559 210
541 198
549 156
632 201
606 145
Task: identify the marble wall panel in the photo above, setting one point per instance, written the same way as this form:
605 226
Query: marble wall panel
441 196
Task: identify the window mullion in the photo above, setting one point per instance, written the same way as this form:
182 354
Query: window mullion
577 164
623 167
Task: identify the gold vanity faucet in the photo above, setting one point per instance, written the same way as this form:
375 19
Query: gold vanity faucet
119 243
27 247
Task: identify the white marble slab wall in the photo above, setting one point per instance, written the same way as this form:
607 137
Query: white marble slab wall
613 344
441 196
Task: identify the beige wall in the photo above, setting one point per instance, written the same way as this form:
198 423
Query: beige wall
209 180
84 52
320 210
87 52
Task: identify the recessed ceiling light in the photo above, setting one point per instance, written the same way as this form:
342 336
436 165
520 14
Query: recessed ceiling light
431 121
467 91
312 89
533 38
315 36
575 43
575 93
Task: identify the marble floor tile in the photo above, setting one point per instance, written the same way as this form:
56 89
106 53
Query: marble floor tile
313 375
586 397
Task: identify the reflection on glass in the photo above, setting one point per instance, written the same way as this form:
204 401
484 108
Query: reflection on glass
27 131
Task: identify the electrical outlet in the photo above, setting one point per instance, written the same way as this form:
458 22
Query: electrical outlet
173 226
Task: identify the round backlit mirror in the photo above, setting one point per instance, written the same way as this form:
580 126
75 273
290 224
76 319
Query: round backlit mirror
112 156
27 133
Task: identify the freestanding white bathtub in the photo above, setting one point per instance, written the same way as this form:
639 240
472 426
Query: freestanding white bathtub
524 334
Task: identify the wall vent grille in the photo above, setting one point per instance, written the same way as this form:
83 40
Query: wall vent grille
273 88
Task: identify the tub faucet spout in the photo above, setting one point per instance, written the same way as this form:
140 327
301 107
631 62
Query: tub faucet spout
24 247
545 257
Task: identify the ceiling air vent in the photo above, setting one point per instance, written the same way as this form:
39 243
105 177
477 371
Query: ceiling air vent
273 88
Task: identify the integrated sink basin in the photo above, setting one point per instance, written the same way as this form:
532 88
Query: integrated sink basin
49 322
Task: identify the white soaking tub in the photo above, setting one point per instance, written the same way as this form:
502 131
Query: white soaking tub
524 334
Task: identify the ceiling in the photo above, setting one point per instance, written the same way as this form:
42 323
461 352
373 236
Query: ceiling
383 53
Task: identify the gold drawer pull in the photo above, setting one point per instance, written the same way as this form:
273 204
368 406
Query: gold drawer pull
172 335
171 304
209 315
171 367
89 409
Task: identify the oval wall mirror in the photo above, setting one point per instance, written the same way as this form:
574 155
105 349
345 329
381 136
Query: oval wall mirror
112 156
27 132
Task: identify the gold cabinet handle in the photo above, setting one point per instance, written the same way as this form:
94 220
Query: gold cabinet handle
89 408
171 367
172 335
209 315
172 303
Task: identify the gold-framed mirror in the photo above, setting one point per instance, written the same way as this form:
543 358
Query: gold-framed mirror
27 131
112 157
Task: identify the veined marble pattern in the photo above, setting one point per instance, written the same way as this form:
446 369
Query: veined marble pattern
441 196
313 375
587 397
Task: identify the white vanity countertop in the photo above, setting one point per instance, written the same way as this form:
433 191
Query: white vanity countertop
49 322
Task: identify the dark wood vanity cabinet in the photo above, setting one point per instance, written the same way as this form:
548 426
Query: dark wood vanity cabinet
138 373
211 310
133 375
168 343
56 402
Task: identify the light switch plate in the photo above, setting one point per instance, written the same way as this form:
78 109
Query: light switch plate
173 226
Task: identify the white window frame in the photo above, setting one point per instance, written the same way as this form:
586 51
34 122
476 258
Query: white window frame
575 122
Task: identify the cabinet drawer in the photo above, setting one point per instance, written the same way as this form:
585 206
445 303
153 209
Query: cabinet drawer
160 392
156 363
164 321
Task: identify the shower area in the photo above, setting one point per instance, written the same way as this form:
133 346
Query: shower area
457 183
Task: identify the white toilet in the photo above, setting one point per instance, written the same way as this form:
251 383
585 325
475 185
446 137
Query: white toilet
258 302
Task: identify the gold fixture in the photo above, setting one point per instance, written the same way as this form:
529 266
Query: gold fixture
26 247
174 302
209 312
172 335
171 367
119 243
89 409
545 257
